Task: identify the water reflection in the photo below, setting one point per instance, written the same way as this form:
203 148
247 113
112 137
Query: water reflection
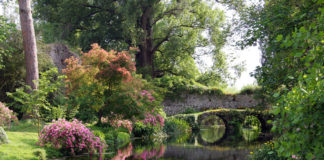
212 129
192 147
212 134
251 128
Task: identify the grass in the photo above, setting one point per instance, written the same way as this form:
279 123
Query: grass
23 143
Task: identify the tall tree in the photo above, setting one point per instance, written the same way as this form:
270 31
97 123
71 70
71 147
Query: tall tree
271 23
29 42
166 32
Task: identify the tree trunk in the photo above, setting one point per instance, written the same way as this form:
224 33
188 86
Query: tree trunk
29 41
145 57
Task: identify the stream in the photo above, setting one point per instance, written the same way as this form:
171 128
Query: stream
209 143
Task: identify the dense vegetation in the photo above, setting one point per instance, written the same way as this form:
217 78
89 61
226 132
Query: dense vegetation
135 53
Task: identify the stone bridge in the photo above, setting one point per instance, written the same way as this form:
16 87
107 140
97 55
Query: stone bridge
230 117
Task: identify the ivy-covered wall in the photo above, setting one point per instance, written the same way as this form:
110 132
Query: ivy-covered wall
201 102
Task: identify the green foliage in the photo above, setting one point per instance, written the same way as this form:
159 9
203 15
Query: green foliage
110 138
291 35
176 127
170 30
122 139
266 152
36 101
190 110
287 31
6 29
250 89
99 133
40 154
105 83
141 130
176 85
12 60
23 139
301 118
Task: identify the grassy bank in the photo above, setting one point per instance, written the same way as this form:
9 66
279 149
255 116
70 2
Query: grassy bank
23 144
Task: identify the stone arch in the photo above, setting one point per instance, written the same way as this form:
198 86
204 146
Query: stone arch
205 115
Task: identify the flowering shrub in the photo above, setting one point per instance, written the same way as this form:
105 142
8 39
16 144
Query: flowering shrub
148 95
70 136
103 82
122 123
6 116
150 119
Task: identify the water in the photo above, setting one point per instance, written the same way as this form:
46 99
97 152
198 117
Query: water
211 142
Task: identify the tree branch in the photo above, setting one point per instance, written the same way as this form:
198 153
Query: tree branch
166 38
169 12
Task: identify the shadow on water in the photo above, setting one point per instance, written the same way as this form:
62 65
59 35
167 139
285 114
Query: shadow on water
210 143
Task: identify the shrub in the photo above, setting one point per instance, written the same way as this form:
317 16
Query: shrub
122 123
266 152
73 137
99 134
141 130
190 110
6 116
250 89
152 120
122 139
40 154
110 138
105 82
175 126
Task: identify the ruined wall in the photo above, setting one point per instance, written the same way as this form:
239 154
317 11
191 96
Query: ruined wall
204 102
59 53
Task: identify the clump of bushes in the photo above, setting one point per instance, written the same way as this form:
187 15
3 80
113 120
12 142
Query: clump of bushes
73 137
6 116
175 126
40 154
266 152
250 89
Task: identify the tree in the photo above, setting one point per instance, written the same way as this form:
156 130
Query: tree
29 42
166 32
104 82
269 25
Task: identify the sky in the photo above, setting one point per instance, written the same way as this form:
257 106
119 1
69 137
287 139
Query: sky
251 56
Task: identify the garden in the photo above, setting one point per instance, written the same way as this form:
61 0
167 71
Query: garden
117 79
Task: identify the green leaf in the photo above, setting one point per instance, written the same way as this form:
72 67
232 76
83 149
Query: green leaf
276 95
279 38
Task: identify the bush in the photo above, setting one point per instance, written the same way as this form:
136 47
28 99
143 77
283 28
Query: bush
175 126
110 138
266 152
141 130
41 154
73 137
250 89
122 139
190 120
190 110
99 134
6 116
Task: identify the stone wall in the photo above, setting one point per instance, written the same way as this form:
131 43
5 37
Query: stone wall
204 102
